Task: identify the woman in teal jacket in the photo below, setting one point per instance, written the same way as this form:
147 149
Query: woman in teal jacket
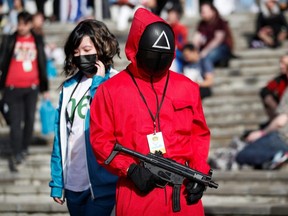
88 188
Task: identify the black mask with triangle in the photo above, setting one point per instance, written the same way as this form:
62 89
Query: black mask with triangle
156 49
158 37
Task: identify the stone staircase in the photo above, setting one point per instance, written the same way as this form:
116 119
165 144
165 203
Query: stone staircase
245 192
234 107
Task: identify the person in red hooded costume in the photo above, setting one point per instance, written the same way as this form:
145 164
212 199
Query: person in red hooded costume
146 101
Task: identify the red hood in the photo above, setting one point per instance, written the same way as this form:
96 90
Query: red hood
142 18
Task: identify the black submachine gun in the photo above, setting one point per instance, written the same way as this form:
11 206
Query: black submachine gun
168 170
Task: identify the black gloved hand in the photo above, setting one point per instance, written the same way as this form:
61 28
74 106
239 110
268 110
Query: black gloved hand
143 179
194 192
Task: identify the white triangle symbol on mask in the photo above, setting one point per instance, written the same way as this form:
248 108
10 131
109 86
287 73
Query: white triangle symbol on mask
155 45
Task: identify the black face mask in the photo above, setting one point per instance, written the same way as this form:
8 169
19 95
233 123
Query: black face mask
86 63
154 63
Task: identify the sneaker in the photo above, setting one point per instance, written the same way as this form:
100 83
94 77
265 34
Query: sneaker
279 159
25 154
237 144
12 165
19 158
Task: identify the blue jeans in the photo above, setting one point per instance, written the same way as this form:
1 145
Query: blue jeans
262 150
222 52
82 204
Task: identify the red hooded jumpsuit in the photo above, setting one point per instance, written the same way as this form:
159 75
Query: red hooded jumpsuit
119 115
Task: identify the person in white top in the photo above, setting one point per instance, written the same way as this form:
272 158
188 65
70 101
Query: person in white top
89 189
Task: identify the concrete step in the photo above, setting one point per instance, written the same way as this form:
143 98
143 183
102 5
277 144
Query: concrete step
242 209
262 191
236 90
218 100
246 209
33 208
260 53
247 71
247 62
240 106
242 82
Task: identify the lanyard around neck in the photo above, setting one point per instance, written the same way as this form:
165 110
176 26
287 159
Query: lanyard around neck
71 119
156 117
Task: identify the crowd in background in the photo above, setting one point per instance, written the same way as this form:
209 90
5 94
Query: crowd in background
270 27
197 55
75 10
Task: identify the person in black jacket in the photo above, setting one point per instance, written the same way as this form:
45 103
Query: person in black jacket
161 7
271 25
272 92
22 76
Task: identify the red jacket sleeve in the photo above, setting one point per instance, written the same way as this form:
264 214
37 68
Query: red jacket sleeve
102 133
200 139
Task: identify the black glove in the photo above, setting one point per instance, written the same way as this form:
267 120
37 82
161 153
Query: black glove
194 192
143 179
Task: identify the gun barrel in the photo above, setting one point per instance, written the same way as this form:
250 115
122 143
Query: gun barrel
213 184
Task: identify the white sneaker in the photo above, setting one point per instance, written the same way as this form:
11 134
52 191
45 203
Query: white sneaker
279 159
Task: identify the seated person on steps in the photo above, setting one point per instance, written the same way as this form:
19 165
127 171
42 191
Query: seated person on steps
272 93
200 70
267 148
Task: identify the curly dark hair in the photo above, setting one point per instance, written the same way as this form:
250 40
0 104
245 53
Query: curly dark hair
104 41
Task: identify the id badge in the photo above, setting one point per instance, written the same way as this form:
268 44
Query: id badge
156 142
27 66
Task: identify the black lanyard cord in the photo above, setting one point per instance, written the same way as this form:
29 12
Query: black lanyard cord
71 119
158 105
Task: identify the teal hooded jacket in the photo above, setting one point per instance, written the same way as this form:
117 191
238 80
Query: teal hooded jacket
102 183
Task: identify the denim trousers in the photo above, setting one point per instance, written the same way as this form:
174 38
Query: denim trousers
82 204
222 52
262 150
